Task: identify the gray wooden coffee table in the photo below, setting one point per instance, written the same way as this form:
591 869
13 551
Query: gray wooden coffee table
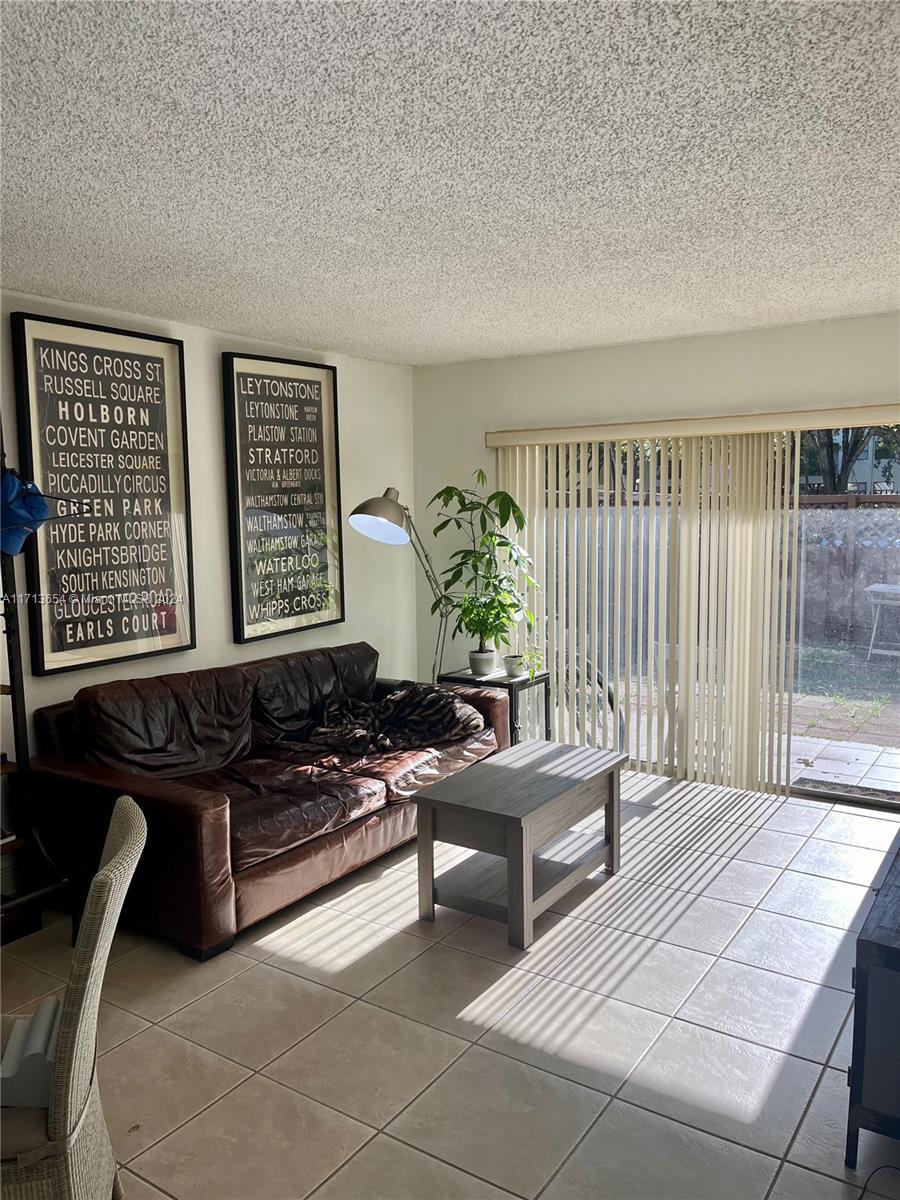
517 809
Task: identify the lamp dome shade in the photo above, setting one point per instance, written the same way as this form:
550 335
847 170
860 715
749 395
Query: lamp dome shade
381 518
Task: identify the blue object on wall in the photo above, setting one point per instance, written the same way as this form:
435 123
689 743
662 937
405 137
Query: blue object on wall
22 510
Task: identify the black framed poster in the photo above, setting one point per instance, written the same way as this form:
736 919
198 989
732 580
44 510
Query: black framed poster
101 416
284 496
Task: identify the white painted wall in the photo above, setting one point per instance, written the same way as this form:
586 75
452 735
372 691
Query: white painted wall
375 419
821 365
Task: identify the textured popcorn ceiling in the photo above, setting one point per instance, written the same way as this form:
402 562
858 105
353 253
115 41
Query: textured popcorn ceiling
426 182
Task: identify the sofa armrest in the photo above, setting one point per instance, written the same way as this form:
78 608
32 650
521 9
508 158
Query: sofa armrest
492 703
183 887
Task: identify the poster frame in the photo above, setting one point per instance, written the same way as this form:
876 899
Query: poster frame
235 531
25 413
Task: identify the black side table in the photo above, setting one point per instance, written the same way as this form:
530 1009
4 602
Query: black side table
513 685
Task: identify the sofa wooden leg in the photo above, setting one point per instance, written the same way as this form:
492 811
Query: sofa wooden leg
209 952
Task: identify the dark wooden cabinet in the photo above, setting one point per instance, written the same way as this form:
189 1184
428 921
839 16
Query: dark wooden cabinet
874 1075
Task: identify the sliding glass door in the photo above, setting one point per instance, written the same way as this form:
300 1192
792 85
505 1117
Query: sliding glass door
846 710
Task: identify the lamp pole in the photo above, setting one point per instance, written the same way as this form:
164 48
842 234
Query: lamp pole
434 583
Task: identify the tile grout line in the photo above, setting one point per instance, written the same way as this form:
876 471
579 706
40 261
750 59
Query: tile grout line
384 1132
798 1126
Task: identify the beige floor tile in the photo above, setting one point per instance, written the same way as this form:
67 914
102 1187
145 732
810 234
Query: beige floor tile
345 952
158 979
771 848
717 803
677 827
636 969
446 856
261 1140
452 991
389 897
730 1088
21 983
814 898
272 934
786 1014
852 830
843 1052
697 922
820 1142
154 1082
585 1037
803 949
635 1155
257 1015
742 882
795 818
500 1119
797 769
796 1183
114 1025
702 874
367 1062
402 856
389 1170
834 860
555 937
138 1189
51 949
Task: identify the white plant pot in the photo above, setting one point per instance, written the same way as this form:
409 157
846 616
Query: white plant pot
515 667
482 662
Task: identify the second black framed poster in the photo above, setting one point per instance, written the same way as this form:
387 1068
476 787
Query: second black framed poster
281 437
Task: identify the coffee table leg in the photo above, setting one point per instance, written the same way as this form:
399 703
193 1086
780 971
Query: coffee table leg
425 845
613 822
519 888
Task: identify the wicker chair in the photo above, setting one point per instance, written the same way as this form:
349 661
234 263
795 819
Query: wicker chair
63 1152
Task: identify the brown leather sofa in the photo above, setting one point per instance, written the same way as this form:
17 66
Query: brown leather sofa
241 822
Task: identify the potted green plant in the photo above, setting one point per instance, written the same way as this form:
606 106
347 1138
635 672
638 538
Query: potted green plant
529 662
483 585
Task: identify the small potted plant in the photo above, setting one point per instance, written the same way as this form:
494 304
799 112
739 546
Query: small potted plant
483 584
529 662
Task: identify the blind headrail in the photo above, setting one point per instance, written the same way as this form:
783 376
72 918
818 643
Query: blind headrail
763 422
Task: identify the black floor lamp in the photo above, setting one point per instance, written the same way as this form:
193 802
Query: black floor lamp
384 519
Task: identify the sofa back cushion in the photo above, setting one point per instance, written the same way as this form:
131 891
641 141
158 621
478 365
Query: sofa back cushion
170 725
294 687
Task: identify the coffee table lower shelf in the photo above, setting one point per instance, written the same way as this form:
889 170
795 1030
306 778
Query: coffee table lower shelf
479 884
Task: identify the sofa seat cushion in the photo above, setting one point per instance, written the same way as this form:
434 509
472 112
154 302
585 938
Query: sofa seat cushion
406 772
276 804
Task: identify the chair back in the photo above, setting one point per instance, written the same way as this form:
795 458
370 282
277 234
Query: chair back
76 1046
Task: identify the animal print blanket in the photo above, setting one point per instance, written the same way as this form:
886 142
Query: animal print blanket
411 716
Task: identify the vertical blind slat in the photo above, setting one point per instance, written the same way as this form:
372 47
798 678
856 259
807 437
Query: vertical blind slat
628 592
653 483
607 735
